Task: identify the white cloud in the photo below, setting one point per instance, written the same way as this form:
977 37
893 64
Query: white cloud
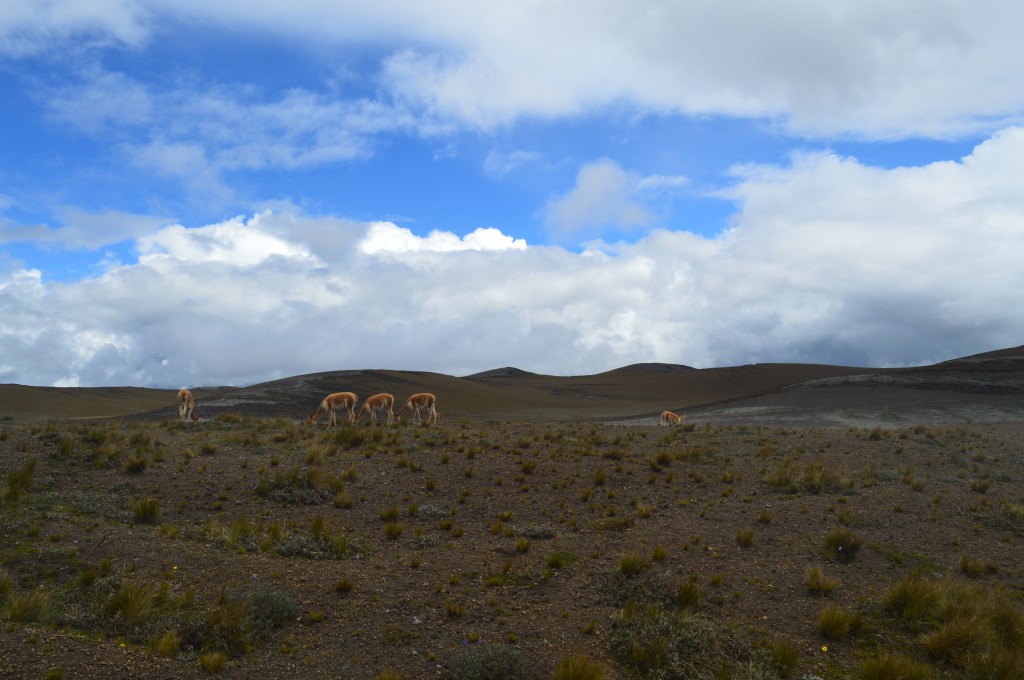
31 26
197 131
605 196
81 229
828 261
235 242
386 237
500 163
867 68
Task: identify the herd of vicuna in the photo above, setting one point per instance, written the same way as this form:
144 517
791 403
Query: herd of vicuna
332 403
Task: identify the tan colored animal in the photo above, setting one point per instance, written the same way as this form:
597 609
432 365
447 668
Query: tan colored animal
335 402
186 406
669 418
421 401
378 402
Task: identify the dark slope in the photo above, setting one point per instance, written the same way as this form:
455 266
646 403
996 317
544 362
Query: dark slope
982 388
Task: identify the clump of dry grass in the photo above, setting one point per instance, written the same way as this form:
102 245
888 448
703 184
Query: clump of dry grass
817 582
580 667
18 482
843 544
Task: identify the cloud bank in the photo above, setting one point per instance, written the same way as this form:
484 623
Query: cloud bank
828 260
865 68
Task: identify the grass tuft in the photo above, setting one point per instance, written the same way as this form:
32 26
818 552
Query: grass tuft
580 667
817 582
843 544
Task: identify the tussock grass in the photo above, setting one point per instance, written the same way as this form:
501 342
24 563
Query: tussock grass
817 582
579 666
6 584
632 563
132 602
843 544
29 607
688 596
213 662
168 645
836 623
963 626
147 511
745 537
894 666
18 482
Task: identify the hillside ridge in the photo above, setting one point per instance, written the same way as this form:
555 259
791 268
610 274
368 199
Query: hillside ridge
984 387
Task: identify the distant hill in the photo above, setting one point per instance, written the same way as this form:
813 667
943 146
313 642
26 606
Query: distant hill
24 402
986 387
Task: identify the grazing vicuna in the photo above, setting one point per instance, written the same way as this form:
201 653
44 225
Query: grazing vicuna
418 401
669 418
334 402
378 402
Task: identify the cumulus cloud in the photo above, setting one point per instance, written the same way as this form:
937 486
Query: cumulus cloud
829 260
386 237
867 68
605 196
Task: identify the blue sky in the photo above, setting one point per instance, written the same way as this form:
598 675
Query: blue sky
564 187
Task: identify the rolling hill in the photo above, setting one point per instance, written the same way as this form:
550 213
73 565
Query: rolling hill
986 387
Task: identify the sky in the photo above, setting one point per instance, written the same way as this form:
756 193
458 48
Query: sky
223 193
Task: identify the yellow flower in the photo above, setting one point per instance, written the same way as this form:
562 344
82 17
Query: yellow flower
824 648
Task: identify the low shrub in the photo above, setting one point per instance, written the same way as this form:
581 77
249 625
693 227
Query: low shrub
488 661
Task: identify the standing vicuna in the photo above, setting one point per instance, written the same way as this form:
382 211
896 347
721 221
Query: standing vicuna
186 406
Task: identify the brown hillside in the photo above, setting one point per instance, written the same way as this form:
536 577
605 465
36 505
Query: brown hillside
23 402
986 387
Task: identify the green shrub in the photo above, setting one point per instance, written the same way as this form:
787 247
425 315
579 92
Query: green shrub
271 608
488 661
652 642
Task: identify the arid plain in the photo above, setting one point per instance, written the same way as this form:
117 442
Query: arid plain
804 522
